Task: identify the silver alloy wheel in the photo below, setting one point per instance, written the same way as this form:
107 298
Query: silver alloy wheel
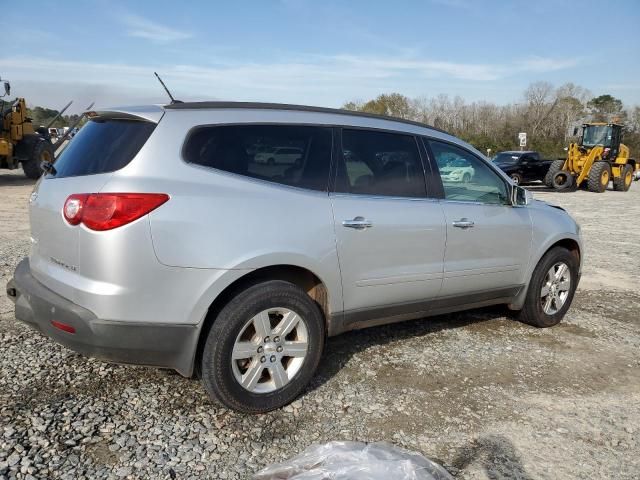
270 350
555 288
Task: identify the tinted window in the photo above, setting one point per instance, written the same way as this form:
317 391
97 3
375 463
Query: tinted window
380 163
292 155
103 146
467 178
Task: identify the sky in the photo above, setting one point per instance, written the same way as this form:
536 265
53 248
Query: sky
322 52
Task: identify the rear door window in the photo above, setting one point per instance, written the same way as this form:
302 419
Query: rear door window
380 163
103 146
293 155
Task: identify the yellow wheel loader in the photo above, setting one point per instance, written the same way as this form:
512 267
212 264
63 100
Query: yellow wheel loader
598 158
20 143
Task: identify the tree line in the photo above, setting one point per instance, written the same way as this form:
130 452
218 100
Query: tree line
546 113
42 116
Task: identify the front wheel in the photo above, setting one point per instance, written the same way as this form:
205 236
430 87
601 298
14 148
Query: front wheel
598 177
33 150
263 348
551 289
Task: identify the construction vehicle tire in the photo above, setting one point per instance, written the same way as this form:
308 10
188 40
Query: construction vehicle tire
562 180
554 168
33 150
599 176
623 182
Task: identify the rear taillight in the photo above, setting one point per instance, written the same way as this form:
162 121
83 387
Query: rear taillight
72 210
104 211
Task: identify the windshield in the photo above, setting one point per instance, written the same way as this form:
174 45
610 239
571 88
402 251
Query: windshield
505 158
596 135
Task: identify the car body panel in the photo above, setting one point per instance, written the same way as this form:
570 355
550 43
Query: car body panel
493 254
398 259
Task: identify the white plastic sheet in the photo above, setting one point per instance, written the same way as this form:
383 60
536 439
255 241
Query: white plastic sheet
355 461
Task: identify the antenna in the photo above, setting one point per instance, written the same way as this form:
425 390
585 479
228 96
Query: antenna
173 100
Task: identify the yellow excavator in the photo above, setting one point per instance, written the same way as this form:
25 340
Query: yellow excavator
596 159
20 143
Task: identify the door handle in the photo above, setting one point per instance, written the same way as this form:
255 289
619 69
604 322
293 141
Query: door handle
359 223
463 223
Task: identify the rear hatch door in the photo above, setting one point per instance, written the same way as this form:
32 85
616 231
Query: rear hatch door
107 143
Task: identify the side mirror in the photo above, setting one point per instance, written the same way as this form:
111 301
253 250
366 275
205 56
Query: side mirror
575 131
520 197
7 88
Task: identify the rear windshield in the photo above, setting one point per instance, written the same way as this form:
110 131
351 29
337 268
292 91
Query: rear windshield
103 146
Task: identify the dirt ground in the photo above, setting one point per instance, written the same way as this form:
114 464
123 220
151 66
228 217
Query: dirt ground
487 397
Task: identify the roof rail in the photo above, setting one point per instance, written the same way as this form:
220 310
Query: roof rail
300 108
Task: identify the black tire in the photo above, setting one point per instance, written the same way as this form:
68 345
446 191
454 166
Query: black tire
217 371
32 151
271 161
563 180
532 312
516 177
623 182
599 176
466 178
554 168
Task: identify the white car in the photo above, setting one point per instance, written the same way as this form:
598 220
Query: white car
273 155
457 171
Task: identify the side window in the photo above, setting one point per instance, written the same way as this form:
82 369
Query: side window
467 178
380 163
289 154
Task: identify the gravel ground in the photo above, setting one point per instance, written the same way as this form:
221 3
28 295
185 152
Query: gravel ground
477 392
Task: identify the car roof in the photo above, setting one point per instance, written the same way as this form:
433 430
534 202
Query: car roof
154 113
287 106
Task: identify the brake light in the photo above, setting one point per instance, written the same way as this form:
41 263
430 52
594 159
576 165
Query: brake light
105 211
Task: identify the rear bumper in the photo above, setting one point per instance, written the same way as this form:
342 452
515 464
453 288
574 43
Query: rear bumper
159 345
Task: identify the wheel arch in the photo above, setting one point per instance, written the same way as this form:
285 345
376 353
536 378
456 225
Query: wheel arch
570 243
303 277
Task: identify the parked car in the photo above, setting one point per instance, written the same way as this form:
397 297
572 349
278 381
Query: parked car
522 167
456 170
156 240
273 155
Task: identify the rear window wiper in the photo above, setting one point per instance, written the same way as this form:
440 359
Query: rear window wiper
49 168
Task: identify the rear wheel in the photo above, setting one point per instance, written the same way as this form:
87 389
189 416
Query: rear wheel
263 348
554 168
516 177
599 177
623 182
551 289
466 178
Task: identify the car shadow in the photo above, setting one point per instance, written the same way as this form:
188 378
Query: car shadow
339 349
13 180
498 456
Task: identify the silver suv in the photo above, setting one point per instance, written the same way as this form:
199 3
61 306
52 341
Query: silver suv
159 239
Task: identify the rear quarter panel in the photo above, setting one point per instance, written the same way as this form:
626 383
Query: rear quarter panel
220 221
